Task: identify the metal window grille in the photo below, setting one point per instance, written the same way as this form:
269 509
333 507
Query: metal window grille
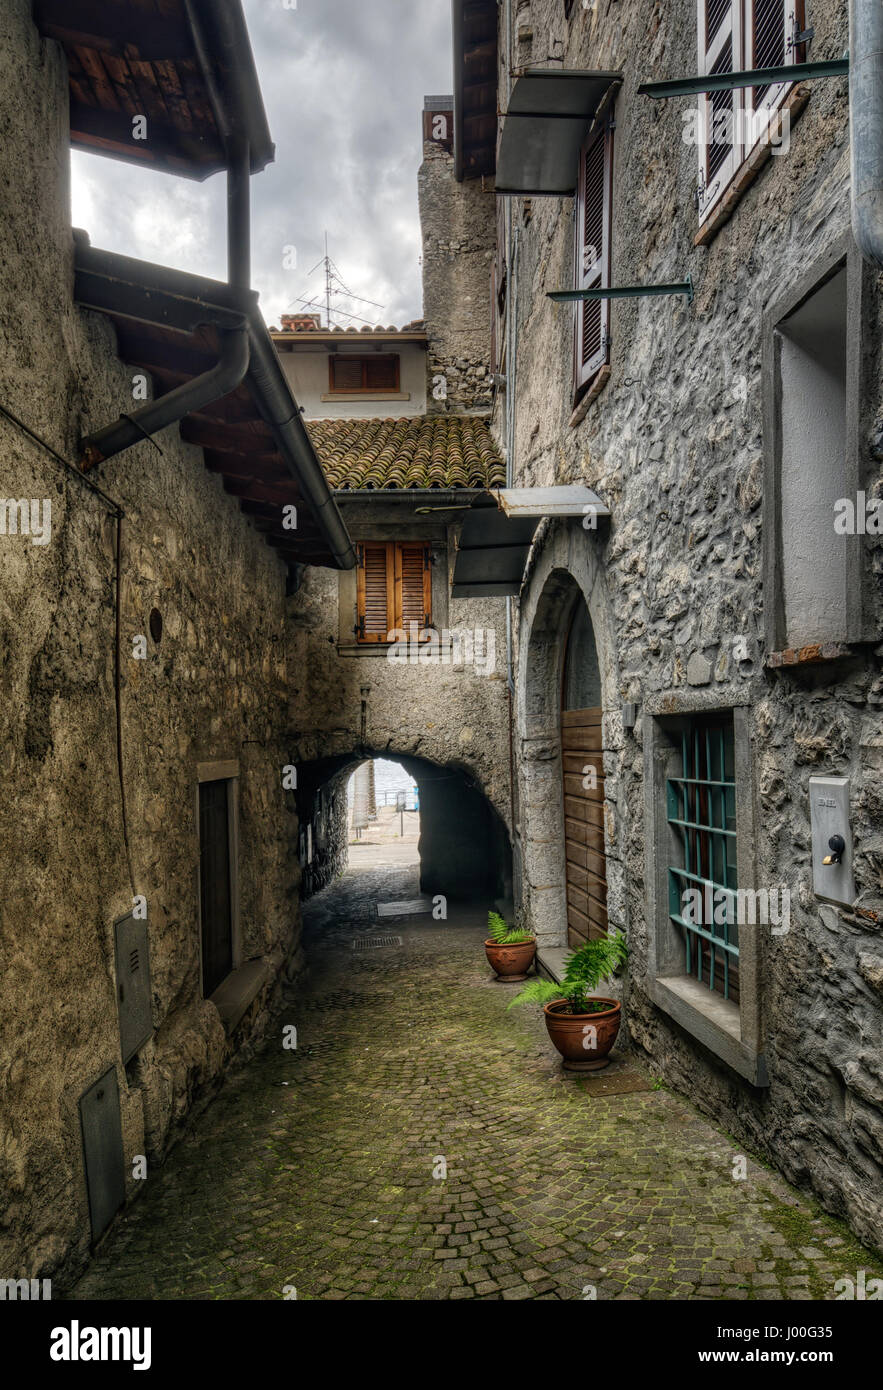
701 806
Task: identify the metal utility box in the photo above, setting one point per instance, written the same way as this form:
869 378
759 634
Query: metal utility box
103 1151
133 984
829 817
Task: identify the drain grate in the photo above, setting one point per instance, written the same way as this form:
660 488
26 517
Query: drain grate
365 943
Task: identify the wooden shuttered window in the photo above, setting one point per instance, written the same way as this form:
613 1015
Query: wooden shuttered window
593 210
393 589
356 374
736 35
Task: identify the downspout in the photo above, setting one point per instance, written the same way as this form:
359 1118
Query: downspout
294 442
866 125
510 456
223 378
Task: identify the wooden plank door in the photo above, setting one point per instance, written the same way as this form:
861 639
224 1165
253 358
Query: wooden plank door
214 872
586 865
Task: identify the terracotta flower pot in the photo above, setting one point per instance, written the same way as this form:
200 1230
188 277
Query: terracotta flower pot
511 963
584 1040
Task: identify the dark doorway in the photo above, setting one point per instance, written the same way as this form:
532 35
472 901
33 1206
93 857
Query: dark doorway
214 876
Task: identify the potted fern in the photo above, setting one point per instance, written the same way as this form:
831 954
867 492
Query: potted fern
582 1027
509 950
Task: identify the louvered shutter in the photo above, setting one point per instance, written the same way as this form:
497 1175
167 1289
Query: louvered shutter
770 29
720 113
592 329
375 582
413 587
495 366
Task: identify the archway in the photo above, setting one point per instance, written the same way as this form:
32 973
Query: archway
569 725
464 847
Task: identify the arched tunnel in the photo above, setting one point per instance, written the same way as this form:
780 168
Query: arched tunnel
464 848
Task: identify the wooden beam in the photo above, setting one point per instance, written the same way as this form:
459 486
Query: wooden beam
229 439
166 146
111 28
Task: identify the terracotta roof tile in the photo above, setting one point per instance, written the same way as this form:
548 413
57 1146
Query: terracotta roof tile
439 451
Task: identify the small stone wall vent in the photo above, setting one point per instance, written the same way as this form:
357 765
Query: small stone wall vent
366 943
133 985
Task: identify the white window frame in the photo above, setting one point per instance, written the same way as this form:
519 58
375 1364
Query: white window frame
738 25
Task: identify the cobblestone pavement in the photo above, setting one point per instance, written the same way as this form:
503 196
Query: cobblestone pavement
313 1170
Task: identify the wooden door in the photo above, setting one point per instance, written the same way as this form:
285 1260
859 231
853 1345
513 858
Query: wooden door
583 775
214 873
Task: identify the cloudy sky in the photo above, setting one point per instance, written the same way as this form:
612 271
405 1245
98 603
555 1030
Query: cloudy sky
343 84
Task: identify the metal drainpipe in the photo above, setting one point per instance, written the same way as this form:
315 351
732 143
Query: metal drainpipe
224 377
239 215
866 125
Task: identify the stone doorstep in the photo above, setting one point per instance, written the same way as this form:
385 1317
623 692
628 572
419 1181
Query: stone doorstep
241 988
550 961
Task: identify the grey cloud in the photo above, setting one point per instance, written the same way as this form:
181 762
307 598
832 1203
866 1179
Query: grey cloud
343 83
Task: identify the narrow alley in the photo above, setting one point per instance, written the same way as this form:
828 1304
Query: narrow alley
314 1169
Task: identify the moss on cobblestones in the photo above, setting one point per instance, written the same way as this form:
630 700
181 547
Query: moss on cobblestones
314 1168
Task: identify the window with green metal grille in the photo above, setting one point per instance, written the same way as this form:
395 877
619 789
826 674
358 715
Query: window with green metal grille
701 806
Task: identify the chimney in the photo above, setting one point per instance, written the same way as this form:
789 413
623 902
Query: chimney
459 226
301 323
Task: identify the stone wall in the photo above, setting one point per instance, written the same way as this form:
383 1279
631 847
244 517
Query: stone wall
213 688
674 444
458 223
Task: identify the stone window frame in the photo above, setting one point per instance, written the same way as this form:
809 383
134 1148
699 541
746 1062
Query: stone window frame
736 1041
842 254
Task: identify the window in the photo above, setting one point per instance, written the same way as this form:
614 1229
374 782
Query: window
816 479
707 915
592 322
393 589
701 807
349 375
735 35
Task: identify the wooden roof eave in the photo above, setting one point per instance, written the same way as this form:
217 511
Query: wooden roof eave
157 313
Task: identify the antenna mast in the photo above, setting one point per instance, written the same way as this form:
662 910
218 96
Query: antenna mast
334 286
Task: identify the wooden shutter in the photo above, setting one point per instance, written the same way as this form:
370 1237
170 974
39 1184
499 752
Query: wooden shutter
413 587
594 196
495 365
382 373
346 373
720 50
770 27
375 584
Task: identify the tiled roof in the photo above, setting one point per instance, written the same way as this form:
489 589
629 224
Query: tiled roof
311 323
443 451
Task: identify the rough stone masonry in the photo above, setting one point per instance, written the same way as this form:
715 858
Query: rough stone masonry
677 585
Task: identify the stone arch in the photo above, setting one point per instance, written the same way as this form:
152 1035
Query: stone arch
565 573
465 849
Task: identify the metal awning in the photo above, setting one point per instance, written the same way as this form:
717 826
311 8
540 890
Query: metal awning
498 532
544 128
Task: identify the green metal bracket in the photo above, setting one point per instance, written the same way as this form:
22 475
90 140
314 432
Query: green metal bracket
755 77
684 287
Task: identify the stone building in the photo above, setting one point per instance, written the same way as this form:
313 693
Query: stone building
184 681
148 875
400 420
699 688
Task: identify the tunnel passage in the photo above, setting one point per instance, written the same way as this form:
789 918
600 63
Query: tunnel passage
464 846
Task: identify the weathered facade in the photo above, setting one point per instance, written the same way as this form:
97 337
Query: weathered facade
144 681
720 433
404 478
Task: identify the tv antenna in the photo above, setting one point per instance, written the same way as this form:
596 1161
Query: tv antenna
334 289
